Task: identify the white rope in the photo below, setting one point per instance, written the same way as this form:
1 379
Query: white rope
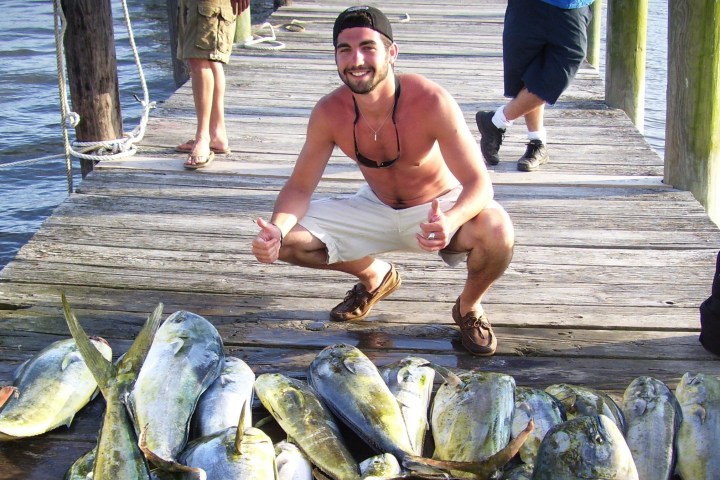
259 42
66 119
108 149
33 160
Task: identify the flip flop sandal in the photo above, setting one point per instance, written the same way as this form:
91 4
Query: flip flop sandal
201 161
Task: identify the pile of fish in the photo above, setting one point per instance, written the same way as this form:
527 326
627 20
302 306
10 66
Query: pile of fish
178 408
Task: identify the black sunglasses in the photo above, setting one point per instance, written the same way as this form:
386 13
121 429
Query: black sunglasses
372 163
362 159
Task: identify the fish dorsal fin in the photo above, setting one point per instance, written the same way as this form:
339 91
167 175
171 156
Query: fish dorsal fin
102 369
240 428
451 378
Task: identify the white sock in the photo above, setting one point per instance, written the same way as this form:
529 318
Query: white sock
499 119
539 135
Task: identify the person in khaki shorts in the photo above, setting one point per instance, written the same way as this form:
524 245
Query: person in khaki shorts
427 189
206 30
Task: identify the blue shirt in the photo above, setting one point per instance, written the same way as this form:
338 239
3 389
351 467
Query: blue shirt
568 4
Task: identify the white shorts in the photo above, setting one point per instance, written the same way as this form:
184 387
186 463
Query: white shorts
358 225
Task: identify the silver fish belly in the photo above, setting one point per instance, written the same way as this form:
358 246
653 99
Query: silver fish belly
221 458
291 462
410 380
541 407
653 417
222 403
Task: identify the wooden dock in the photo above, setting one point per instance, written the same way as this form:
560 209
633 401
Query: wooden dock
609 270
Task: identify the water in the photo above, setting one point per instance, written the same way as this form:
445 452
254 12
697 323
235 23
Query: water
30 106
655 72
30 102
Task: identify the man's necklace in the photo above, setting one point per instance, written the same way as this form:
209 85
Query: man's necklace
375 132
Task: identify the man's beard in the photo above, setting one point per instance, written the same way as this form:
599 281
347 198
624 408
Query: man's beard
365 86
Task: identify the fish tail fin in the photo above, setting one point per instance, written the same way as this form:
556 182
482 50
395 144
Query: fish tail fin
170 465
135 356
482 469
101 368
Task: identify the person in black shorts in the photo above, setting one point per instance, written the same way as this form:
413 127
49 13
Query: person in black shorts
544 43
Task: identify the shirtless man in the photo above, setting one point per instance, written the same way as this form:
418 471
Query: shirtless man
427 190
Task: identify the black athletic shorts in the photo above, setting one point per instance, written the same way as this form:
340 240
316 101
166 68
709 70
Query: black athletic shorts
543 47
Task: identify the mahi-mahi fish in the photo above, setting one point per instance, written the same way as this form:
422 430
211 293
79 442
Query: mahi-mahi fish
233 453
185 357
471 416
223 402
291 462
579 400
116 454
298 410
588 447
543 409
352 388
653 417
698 439
49 389
411 382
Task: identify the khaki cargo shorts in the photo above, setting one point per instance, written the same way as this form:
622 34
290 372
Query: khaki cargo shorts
206 29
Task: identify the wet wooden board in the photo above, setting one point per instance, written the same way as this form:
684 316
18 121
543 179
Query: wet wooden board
609 268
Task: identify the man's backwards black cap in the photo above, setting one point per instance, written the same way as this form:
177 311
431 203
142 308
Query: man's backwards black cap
362 16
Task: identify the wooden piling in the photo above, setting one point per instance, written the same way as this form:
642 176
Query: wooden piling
92 72
692 141
625 69
180 71
595 34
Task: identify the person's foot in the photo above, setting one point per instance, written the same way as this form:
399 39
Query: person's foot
475 331
491 137
194 161
189 145
358 301
535 155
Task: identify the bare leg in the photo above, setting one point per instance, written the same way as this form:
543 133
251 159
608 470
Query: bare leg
528 105
218 135
203 87
489 239
534 119
302 249
208 86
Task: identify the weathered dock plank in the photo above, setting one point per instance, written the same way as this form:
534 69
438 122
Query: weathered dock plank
609 268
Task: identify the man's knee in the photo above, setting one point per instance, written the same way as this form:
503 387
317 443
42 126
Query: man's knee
495 230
